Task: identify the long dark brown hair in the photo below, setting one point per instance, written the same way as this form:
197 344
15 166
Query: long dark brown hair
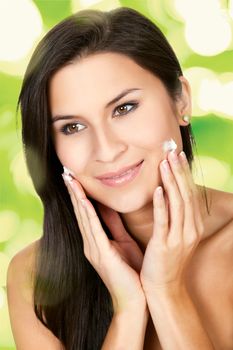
70 298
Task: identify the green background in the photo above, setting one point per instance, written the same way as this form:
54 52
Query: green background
20 207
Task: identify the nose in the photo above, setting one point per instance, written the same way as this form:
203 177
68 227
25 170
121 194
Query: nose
108 145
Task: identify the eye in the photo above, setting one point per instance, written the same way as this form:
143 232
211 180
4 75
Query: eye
123 109
69 129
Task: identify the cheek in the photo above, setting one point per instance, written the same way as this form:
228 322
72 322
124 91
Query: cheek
71 157
150 134
158 125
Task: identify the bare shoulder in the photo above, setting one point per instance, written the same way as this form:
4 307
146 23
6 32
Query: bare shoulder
21 268
219 214
210 277
215 252
224 201
27 329
26 256
219 223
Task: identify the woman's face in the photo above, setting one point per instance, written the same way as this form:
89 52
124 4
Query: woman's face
102 139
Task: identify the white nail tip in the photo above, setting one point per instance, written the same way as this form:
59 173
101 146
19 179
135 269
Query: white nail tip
67 177
68 171
169 145
68 174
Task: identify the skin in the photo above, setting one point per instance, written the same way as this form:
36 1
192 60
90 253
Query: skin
106 143
154 252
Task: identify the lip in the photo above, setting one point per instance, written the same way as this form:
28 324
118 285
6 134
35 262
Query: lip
120 172
125 178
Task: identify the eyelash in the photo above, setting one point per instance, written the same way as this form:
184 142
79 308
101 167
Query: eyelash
133 104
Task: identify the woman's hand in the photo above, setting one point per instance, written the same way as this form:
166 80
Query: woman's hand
178 228
118 262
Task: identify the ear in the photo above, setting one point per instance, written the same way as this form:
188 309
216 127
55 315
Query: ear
184 104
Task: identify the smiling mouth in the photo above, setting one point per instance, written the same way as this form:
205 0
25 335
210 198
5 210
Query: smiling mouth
124 178
119 173
123 174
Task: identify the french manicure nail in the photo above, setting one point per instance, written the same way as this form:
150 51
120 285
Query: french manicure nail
183 156
174 155
165 165
67 179
68 171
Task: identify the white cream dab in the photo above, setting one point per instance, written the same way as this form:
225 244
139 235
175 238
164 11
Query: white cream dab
169 145
67 173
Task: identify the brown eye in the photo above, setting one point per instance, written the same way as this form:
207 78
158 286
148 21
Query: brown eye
123 108
70 129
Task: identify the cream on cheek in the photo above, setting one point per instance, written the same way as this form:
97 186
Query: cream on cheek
72 155
152 140
152 145
68 174
169 145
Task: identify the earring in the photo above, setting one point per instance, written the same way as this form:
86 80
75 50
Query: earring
186 118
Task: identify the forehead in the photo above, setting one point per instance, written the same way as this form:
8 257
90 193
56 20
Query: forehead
98 77
103 66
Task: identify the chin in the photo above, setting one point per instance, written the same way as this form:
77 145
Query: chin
127 205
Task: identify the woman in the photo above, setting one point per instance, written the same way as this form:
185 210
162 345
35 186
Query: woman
133 267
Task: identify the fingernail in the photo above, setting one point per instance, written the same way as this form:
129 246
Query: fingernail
68 171
159 192
165 165
174 156
67 178
183 156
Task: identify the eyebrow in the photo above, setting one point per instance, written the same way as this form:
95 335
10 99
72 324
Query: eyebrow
114 100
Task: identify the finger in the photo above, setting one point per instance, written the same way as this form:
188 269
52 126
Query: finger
79 213
91 223
175 202
93 243
95 226
160 212
73 201
196 199
189 226
94 237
